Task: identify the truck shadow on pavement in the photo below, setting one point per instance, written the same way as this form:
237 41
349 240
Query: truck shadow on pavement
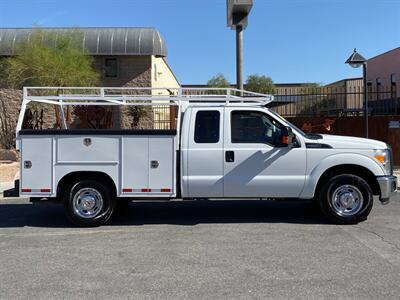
175 213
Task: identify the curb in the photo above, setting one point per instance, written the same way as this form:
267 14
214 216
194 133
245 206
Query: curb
6 186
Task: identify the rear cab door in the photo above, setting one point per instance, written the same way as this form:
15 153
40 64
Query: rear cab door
202 152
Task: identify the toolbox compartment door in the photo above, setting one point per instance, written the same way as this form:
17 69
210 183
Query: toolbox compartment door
161 164
37 165
134 165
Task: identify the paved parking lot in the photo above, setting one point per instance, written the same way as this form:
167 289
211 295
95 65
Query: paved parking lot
199 250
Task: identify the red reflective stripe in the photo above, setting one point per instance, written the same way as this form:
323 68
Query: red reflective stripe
165 190
145 190
26 190
45 190
127 190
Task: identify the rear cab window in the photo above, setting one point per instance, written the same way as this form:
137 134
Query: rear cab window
207 127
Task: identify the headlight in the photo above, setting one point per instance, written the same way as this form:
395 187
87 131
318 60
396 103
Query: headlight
384 157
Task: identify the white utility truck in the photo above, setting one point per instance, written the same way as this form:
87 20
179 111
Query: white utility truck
226 144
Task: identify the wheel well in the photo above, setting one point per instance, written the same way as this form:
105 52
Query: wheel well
357 170
68 179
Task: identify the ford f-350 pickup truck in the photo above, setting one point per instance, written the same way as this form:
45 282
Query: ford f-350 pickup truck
226 144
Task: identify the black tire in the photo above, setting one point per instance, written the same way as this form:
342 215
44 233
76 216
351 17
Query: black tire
346 187
94 190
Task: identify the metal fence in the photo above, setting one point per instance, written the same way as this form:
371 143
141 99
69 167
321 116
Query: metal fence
327 101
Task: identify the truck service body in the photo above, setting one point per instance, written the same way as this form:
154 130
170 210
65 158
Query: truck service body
226 144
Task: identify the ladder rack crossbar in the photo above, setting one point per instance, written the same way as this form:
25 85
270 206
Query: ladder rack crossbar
142 96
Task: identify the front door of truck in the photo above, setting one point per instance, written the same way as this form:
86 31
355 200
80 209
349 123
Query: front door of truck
203 154
256 163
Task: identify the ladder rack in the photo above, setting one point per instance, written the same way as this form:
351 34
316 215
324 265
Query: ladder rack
136 96
142 96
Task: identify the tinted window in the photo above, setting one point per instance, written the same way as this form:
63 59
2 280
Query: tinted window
207 127
255 127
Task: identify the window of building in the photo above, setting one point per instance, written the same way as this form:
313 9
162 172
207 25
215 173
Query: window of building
378 88
255 127
369 90
155 72
393 87
111 67
207 127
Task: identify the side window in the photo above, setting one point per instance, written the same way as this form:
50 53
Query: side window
255 127
207 127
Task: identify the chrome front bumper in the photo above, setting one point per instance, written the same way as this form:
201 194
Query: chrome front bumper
388 186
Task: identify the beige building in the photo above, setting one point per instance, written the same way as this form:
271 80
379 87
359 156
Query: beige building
348 92
126 56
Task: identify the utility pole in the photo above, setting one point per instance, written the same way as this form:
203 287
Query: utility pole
239 57
238 12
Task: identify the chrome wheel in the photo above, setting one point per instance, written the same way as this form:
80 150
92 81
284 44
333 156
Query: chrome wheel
87 203
347 200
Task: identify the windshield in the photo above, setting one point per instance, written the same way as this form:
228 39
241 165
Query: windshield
290 124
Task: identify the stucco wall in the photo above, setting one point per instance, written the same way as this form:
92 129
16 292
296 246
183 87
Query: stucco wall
132 71
10 102
162 76
382 66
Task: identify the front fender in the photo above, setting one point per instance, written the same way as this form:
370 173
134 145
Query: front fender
313 176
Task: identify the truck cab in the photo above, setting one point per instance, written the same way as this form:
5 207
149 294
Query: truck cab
225 145
245 152
236 152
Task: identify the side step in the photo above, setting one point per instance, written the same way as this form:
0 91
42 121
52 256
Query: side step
14 192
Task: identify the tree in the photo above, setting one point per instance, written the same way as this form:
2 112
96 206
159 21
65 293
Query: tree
47 59
218 81
260 84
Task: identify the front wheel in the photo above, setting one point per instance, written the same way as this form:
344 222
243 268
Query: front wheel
88 203
346 199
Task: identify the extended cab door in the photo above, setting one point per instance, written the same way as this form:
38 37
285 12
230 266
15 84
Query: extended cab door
256 163
202 153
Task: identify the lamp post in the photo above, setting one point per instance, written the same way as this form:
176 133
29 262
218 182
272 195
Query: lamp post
237 14
356 60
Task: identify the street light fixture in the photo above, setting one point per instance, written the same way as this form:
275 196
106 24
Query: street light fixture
237 14
356 60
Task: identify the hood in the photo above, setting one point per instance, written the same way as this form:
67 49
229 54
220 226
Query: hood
349 142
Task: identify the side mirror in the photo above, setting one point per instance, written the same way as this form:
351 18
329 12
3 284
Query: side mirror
288 137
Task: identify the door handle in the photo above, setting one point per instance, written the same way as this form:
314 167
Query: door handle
229 156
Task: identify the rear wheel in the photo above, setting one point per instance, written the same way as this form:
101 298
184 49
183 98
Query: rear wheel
346 199
88 203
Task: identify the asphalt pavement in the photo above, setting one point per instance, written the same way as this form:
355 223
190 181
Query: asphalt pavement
199 250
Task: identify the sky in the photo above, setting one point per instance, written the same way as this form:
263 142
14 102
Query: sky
288 40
